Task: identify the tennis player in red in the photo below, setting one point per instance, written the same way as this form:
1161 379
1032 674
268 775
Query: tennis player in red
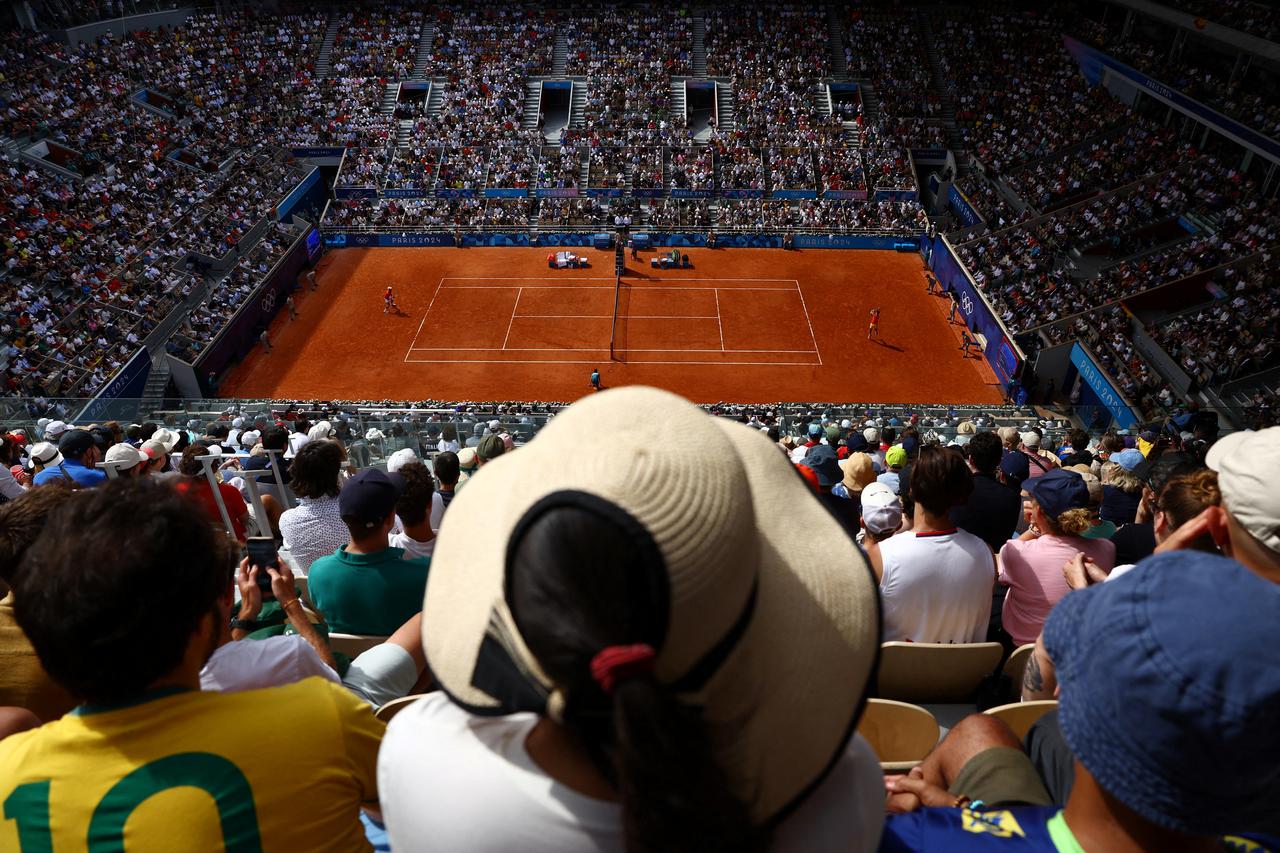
873 329
389 301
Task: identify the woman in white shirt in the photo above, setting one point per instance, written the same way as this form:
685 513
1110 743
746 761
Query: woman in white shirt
636 652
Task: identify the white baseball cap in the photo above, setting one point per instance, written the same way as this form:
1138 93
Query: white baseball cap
400 458
1248 466
45 453
881 508
55 429
124 456
872 435
1030 439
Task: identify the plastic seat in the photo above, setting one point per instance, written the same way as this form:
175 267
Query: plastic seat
935 672
901 734
1021 716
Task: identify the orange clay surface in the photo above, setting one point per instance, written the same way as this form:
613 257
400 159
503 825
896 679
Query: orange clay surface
743 325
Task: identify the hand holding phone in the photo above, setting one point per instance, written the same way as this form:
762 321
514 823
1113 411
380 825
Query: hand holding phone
263 556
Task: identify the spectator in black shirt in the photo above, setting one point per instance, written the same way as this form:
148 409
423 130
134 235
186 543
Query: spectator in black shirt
992 511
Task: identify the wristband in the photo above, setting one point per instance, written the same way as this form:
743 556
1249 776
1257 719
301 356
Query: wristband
245 624
285 605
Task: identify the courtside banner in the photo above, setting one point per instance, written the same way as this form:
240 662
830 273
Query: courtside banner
964 210
120 397
241 333
318 151
1096 380
308 184
1092 62
557 192
1001 352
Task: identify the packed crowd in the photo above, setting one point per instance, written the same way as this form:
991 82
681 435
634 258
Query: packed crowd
1011 74
1237 335
1029 276
379 43
807 545
629 55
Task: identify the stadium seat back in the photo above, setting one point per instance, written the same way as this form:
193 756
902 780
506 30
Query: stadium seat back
352 645
1021 716
935 672
900 733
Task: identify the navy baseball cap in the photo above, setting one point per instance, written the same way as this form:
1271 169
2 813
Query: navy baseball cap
75 443
370 496
823 462
1014 464
1058 491
1170 690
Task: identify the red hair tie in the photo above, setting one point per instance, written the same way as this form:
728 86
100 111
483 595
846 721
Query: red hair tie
615 664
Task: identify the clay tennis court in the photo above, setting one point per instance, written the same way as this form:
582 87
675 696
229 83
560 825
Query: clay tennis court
741 325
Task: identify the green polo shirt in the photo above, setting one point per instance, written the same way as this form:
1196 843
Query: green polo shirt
367 593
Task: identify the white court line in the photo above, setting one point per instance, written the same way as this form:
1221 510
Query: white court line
812 336
609 317
719 322
610 287
413 343
593 278
594 361
512 321
606 349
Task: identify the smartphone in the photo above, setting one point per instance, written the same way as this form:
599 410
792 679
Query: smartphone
262 553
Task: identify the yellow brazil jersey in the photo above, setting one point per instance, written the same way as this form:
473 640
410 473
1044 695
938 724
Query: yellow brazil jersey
184 771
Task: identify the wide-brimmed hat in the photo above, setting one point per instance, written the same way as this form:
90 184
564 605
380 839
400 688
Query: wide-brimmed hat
858 472
773 616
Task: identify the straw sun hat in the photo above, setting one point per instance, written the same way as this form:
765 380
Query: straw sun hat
773 621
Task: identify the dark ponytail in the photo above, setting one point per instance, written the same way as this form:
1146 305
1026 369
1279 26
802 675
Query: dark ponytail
580 581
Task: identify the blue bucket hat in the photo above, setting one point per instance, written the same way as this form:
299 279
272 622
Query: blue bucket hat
1058 491
1170 681
822 460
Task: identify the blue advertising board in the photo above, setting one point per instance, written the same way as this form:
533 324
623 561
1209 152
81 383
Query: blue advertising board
445 192
318 151
1002 353
960 205
241 333
895 195
1092 62
355 192
604 192
680 193
1096 381
407 192
313 245
507 192
119 398
795 194
743 193
845 195
929 153
295 197
557 192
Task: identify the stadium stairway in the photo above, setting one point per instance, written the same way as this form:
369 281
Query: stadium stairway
666 173
404 132
677 97
157 384
426 41
870 102
435 98
948 115
532 101
324 60
726 115
560 55
835 38
390 94
822 97
578 103
699 46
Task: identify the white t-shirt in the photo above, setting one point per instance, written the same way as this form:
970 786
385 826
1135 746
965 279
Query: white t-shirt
412 547
449 780
272 662
936 587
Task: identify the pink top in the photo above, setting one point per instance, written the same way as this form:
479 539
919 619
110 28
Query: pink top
1032 569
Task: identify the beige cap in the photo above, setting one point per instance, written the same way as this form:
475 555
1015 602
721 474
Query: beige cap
124 456
1248 466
